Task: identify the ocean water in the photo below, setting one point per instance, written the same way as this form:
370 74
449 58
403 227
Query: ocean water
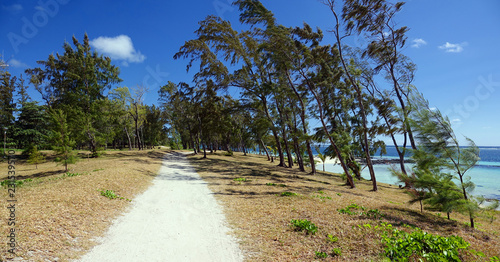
486 173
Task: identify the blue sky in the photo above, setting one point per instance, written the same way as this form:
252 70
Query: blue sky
453 43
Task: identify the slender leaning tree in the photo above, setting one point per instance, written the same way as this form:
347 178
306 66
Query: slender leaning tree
436 140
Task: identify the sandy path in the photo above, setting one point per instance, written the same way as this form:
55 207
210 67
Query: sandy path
176 219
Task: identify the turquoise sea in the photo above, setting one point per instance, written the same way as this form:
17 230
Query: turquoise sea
486 174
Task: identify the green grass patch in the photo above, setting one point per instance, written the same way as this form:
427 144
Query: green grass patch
68 174
322 197
354 209
16 183
112 195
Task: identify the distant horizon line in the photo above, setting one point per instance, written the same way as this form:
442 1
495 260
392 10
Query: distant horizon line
410 146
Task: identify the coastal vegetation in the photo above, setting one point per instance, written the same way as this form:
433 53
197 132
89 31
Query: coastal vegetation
340 223
69 211
285 78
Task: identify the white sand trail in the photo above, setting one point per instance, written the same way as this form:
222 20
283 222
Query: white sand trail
176 219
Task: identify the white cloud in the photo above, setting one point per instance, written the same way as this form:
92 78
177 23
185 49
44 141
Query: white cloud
453 48
119 48
418 42
456 121
16 63
14 9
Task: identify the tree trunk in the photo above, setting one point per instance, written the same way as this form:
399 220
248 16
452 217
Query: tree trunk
280 150
310 86
137 137
265 149
466 198
284 134
275 133
287 149
350 181
204 151
304 124
300 161
365 143
192 141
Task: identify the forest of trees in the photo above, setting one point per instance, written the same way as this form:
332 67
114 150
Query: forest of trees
287 77
74 111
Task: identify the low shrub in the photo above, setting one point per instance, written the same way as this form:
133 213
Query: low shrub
320 254
418 244
112 195
336 252
332 239
304 225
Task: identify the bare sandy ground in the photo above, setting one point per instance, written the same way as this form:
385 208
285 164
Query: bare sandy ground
176 219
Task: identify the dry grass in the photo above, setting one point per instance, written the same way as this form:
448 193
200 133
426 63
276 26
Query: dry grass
58 218
261 217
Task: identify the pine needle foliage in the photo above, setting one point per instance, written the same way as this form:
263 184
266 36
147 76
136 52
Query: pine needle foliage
61 138
35 157
439 176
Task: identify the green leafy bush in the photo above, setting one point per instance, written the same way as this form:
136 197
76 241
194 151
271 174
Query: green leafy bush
336 252
401 246
332 239
304 225
229 153
270 184
109 194
241 179
349 209
288 193
320 254
112 195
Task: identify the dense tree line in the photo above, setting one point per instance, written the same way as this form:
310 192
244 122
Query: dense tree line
80 110
286 77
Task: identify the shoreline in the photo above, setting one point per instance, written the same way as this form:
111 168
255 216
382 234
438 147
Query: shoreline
252 190
483 188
